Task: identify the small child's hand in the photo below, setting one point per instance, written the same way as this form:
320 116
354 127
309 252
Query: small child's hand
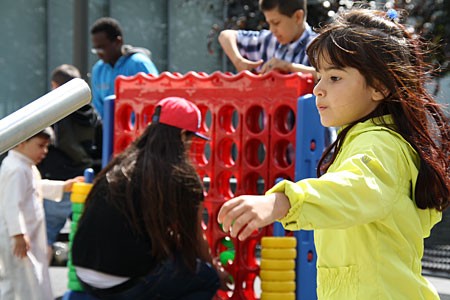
69 183
21 245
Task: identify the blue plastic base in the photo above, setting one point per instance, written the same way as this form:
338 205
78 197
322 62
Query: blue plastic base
71 295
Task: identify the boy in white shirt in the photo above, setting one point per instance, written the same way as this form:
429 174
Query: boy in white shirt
23 244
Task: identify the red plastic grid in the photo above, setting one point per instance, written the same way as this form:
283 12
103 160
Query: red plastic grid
250 121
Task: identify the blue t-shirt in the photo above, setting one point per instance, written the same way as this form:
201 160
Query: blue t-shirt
104 75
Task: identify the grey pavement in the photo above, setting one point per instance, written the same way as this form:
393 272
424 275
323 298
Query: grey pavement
58 276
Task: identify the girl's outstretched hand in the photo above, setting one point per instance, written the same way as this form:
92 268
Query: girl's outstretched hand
242 215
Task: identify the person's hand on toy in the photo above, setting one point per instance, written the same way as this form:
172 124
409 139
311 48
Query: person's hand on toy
69 183
245 64
21 245
242 215
276 64
287 67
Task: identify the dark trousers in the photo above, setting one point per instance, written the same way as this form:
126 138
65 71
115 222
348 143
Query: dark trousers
170 280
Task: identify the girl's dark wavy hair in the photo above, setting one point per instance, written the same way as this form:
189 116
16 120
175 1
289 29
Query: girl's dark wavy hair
391 59
159 192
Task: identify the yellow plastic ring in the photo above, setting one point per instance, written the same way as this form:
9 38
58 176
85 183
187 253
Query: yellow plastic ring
281 264
271 275
278 253
278 242
277 296
278 286
78 198
81 188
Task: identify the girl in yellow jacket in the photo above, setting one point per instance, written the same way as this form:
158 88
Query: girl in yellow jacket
385 181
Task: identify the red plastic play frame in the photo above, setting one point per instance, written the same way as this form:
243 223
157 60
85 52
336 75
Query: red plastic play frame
250 120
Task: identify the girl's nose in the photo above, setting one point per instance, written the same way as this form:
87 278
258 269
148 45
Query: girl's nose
318 91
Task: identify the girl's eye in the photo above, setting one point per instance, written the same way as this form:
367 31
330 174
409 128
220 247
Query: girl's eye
335 78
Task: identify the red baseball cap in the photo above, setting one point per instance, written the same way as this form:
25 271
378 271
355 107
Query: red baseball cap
180 113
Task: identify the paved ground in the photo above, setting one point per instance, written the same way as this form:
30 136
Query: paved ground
58 276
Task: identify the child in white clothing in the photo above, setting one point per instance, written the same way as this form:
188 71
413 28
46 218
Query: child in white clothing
23 243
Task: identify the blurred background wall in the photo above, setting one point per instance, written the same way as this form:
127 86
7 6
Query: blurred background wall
38 35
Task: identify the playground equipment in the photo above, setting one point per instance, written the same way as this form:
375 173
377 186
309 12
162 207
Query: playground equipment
80 190
252 144
43 112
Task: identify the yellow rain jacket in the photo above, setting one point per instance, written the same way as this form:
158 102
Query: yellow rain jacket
368 230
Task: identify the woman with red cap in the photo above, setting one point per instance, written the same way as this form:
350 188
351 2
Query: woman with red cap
140 235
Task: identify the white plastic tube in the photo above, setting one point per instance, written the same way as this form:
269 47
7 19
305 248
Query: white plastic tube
43 112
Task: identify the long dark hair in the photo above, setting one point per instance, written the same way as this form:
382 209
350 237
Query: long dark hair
390 58
159 192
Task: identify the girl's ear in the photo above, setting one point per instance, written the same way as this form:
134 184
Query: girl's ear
377 95
380 92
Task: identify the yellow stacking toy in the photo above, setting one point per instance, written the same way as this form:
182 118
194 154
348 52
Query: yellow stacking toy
80 190
277 270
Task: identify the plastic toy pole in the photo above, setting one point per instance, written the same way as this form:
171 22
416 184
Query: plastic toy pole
43 112
310 142
108 129
78 197
277 270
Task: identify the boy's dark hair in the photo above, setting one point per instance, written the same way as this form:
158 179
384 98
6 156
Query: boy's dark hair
65 73
109 26
285 7
47 133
